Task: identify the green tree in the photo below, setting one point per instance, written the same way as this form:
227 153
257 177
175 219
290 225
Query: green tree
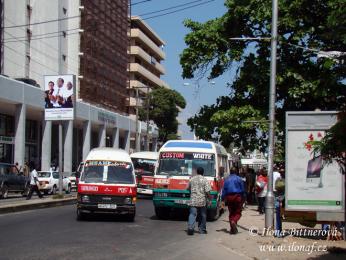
332 146
304 81
164 108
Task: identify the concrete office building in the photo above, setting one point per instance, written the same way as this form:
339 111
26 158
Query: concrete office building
146 55
24 135
63 37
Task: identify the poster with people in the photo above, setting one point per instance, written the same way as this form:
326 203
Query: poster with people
59 97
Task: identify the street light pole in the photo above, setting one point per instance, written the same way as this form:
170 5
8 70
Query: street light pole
147 118
269 204
137 128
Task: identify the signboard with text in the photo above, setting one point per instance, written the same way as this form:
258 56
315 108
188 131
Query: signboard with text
59 97
311 184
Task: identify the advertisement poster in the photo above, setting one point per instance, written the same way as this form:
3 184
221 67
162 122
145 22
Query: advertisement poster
59 97
311 185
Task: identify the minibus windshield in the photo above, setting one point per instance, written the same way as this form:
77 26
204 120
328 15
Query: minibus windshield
186 164
144 166
107 172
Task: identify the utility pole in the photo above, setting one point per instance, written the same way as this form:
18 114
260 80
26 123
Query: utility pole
147 118
60 13
137 128
269 204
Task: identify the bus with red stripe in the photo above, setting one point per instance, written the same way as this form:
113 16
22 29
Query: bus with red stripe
144 163
107 184
178 162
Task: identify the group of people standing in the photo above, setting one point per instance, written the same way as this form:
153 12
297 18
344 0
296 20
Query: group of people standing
240 187
60 96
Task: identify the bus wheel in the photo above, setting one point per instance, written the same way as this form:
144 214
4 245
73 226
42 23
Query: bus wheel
80 215
162 213
131 217
213 214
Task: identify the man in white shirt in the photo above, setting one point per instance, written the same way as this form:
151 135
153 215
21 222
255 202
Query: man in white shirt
68 96
33 182
58 93
276 176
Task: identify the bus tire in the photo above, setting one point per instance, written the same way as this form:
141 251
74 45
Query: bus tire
80 215
131 217
162 213
213 214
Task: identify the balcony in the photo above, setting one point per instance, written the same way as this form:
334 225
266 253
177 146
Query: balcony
156 81
136 33
141 86
132 102
135 50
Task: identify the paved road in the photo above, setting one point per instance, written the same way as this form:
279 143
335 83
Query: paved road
54 233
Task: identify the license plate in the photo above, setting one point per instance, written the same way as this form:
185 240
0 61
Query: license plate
181 201
107 206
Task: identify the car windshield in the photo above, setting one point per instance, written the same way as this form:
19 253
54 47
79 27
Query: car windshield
185 164
44 174
144 166
107 172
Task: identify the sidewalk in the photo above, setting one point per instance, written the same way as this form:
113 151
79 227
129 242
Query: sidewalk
249 244
11 205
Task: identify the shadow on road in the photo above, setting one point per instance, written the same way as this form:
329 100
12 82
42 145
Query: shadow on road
175 215
104 217
223 230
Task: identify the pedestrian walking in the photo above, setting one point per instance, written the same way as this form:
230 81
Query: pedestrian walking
33 182
261 189
199 198
233 194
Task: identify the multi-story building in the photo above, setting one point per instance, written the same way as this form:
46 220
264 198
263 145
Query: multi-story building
86 38
104 43
146 55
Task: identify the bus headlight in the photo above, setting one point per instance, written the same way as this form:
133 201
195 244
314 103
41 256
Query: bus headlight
128 200
85 198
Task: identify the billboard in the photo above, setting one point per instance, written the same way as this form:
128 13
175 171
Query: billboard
59 97
311 185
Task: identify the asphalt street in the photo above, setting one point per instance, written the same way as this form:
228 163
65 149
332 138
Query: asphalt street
54 233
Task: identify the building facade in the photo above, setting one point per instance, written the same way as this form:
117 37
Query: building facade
82 37
104 60
146 56
25 136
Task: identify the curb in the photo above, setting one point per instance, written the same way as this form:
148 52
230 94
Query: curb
37 205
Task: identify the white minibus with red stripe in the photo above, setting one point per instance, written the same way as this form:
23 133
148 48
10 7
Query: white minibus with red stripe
107 184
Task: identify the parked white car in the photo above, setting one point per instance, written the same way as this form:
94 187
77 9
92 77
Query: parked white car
49 182
73 178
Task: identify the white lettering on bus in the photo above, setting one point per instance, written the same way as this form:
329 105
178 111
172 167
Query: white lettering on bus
89 188
202 156
122 190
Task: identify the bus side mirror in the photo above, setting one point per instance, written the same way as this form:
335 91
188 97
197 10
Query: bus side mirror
222 171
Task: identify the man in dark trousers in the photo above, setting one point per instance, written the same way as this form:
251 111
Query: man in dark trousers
199 195
233 194
33 181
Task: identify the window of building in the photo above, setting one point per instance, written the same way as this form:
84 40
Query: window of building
31 130
6 125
